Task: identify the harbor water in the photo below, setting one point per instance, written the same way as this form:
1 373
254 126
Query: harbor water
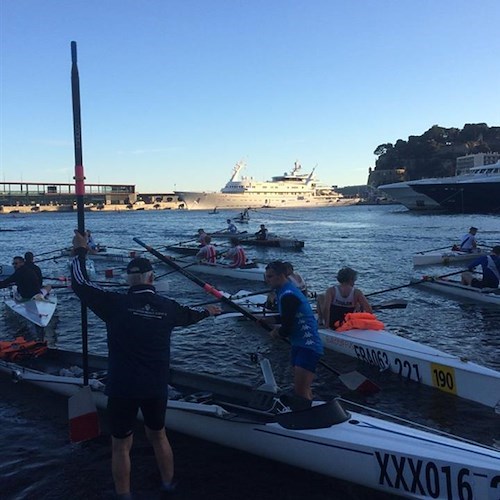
38 462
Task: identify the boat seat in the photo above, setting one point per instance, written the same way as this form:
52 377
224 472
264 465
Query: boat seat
318 416
262 400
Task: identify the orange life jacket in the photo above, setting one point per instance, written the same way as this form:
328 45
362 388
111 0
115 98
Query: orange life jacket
359 321
20 348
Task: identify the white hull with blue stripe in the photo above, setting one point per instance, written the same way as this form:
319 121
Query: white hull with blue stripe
327 439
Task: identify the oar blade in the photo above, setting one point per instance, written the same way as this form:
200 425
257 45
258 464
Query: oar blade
356 381
83 418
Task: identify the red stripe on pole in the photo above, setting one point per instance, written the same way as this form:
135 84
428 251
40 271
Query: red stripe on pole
79 180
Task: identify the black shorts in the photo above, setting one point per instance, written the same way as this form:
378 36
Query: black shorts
122 414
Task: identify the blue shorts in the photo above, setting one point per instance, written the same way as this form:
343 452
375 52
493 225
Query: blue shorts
122 414
305 358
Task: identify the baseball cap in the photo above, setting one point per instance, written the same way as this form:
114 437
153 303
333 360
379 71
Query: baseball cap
139 265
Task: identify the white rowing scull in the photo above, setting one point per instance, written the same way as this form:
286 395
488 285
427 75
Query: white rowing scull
409 359
456 289
326 438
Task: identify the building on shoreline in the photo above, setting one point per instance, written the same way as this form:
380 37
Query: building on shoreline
16 197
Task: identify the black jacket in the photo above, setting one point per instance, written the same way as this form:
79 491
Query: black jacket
138 325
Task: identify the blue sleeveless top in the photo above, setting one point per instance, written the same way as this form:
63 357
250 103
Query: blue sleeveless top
305 327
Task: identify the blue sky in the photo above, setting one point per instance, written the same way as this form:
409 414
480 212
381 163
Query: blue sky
175 92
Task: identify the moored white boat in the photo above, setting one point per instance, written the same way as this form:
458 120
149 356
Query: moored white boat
290 190
466 293
407 358
251 273
420 363
326 438
36 311
448 257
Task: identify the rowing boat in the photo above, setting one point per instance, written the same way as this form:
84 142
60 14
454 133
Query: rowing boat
420 363
407 358
464 292
36 311
448 257
325 438
272 240
249 273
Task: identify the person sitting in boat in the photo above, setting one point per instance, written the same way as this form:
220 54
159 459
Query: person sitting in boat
341 299
236 254
469 242
207 253
29 262
139 325
298 325
231 228
26 279
491 270
202 237
244 216
296 278
262 233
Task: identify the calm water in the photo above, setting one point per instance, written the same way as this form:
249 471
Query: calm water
38 462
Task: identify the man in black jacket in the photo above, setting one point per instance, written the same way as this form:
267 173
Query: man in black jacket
139 325
26 279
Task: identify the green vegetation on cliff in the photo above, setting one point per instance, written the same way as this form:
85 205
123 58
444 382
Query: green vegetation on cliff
434 153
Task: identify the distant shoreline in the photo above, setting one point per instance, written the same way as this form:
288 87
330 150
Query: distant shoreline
34 209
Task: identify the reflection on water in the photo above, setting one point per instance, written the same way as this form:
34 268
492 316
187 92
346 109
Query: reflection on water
36 459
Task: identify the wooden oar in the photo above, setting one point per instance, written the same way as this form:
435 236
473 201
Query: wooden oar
84 424
435 249
352 380
414 283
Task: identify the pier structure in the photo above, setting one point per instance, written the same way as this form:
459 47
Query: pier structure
22 197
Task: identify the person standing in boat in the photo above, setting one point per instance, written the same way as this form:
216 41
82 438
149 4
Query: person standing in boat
469 242
262 233
207 253
341 299
27 280
236 254
298 325
231 228
139 325
491 270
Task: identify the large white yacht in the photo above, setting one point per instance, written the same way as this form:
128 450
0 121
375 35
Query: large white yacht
289 190
478 190
403 193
